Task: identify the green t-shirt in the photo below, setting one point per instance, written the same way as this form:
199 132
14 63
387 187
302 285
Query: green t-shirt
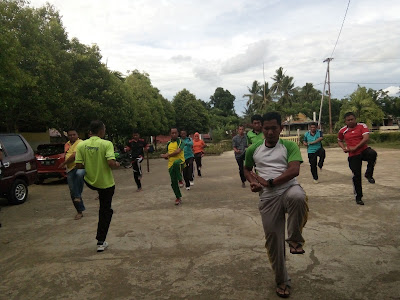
253 137
94 154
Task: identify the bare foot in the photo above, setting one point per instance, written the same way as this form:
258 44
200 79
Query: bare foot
78 216
77 200
139 190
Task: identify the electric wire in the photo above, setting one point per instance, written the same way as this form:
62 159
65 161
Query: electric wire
348 4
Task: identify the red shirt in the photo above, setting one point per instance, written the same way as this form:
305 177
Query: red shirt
353 136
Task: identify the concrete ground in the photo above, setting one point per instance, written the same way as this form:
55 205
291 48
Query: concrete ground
211 247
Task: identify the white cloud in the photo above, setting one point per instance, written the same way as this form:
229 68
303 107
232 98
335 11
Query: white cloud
200 45
393 90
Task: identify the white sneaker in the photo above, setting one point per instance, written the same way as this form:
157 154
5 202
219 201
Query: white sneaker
315 181
102 247
188 188
191 182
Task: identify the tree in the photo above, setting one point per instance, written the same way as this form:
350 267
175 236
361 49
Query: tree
254 95
190 113
283 87
363 106
276 87
224 101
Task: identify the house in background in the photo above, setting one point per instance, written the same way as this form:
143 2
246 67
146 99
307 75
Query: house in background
299 124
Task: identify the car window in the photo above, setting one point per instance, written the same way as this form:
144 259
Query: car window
13 145
50 149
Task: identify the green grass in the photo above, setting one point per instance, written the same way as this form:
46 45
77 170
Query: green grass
387 145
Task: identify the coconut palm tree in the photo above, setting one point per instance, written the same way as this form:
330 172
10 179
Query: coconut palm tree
254 94
276 87
287 90
266 96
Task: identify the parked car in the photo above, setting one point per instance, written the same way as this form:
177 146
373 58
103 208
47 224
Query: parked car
19 168
49 158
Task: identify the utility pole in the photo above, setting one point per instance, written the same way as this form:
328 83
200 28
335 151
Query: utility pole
327 80
264 82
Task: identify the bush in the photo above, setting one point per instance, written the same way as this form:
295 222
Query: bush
382 137
218 134
218 148
374 138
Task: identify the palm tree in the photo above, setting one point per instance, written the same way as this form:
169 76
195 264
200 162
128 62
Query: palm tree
254 93
267 96
287 90
363 106
276 87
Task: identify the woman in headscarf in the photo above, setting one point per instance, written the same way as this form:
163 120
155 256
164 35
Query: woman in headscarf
198 149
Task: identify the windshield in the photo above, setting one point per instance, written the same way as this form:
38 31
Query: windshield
51 149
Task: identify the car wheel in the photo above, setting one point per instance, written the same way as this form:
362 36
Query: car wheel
18 192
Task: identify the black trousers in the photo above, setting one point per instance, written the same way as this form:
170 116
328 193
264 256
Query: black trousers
197 158
105 211
137 170
355 163
240 162
188 171
313 159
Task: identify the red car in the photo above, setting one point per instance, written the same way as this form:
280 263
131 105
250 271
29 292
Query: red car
49 157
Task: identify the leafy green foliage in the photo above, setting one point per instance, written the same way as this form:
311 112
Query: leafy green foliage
190 113
363 106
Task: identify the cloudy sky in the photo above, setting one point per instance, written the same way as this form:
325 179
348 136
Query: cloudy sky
201 45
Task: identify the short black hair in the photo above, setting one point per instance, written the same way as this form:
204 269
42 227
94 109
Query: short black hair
350 113
313 124
174 128
240 125
272 115
72 129
135 130
96 126
183 129
256 118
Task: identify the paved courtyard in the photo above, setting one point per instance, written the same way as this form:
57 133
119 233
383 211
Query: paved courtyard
211 247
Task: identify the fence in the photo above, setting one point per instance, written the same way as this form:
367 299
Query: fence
293 138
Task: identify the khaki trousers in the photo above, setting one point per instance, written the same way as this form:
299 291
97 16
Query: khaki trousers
293 202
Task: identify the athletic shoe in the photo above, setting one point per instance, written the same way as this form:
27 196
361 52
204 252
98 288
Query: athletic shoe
243 185
180 183
370 179
191 182
101 247
359 201
315 181
188 188
139 190
178 201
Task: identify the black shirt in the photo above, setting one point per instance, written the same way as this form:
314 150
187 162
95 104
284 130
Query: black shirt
137 147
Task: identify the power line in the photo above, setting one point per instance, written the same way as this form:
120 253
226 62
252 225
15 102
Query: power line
359 82
341 28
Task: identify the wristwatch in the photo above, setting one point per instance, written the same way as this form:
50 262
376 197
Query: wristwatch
271 182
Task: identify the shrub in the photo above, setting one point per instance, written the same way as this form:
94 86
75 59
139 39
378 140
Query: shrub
218 148
374 138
